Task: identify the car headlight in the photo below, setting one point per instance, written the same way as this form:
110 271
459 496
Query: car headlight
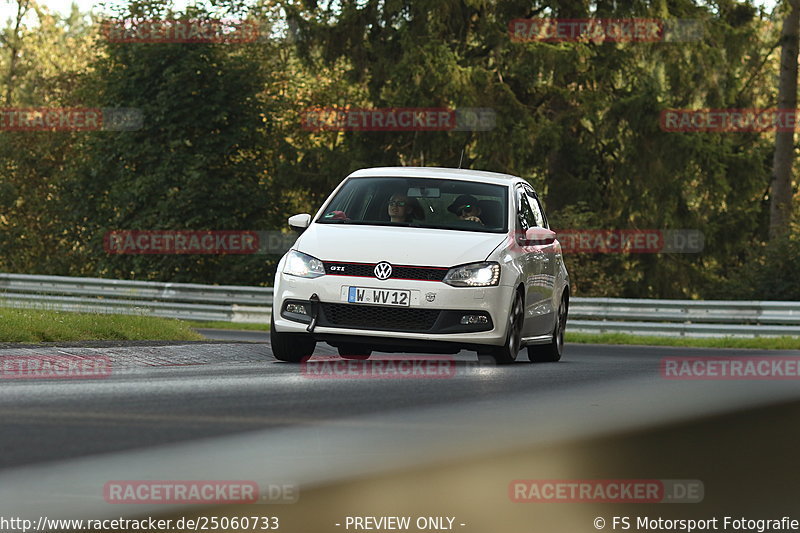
474 275
303 265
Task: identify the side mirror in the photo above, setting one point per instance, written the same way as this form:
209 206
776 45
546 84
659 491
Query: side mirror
300 222
539 237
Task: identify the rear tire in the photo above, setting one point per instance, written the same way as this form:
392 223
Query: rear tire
550 353
290 347
354 351
507 354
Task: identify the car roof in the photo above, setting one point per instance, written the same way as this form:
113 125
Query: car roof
437 172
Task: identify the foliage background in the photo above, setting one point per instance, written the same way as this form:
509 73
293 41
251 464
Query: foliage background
222 145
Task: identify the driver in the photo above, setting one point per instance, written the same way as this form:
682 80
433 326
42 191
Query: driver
399 208
404 209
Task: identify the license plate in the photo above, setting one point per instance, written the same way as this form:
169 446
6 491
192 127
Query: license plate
365 295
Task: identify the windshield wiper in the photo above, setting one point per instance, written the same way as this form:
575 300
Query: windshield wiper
362 222
401 224
481 229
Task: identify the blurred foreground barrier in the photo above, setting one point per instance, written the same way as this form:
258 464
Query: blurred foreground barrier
230 303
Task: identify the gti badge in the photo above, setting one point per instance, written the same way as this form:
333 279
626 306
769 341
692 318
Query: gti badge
383 270
430 296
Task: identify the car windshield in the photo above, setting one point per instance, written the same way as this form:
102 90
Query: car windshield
421 203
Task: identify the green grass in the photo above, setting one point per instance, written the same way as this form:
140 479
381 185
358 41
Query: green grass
34 325
764 343
37 325
228 325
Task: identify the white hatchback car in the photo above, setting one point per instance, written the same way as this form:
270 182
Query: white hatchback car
427 260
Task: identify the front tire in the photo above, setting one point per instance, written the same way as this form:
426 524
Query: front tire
507 354
550 353
290 347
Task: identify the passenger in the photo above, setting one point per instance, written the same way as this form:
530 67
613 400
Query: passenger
466 207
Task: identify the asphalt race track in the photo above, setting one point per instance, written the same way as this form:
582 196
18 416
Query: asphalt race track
164 394
229 410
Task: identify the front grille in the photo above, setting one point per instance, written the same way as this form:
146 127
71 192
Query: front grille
378 317
367 270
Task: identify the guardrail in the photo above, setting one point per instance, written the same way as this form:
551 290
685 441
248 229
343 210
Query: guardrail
225 303
688 318
229 303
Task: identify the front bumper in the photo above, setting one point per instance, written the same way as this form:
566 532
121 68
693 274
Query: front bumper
434 315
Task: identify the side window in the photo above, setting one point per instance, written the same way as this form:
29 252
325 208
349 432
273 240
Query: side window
525 216
536 208
544 215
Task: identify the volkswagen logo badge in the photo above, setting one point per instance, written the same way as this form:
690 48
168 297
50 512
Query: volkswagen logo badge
383 270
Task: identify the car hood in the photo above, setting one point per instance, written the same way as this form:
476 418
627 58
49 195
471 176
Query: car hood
397 245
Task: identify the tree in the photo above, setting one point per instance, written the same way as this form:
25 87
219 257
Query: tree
13 41
199 162
32 164
780 211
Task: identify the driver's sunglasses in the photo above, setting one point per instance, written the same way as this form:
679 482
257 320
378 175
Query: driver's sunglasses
463 208
397 203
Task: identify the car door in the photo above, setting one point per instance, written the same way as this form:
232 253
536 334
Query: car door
531 263
550 265
538 264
